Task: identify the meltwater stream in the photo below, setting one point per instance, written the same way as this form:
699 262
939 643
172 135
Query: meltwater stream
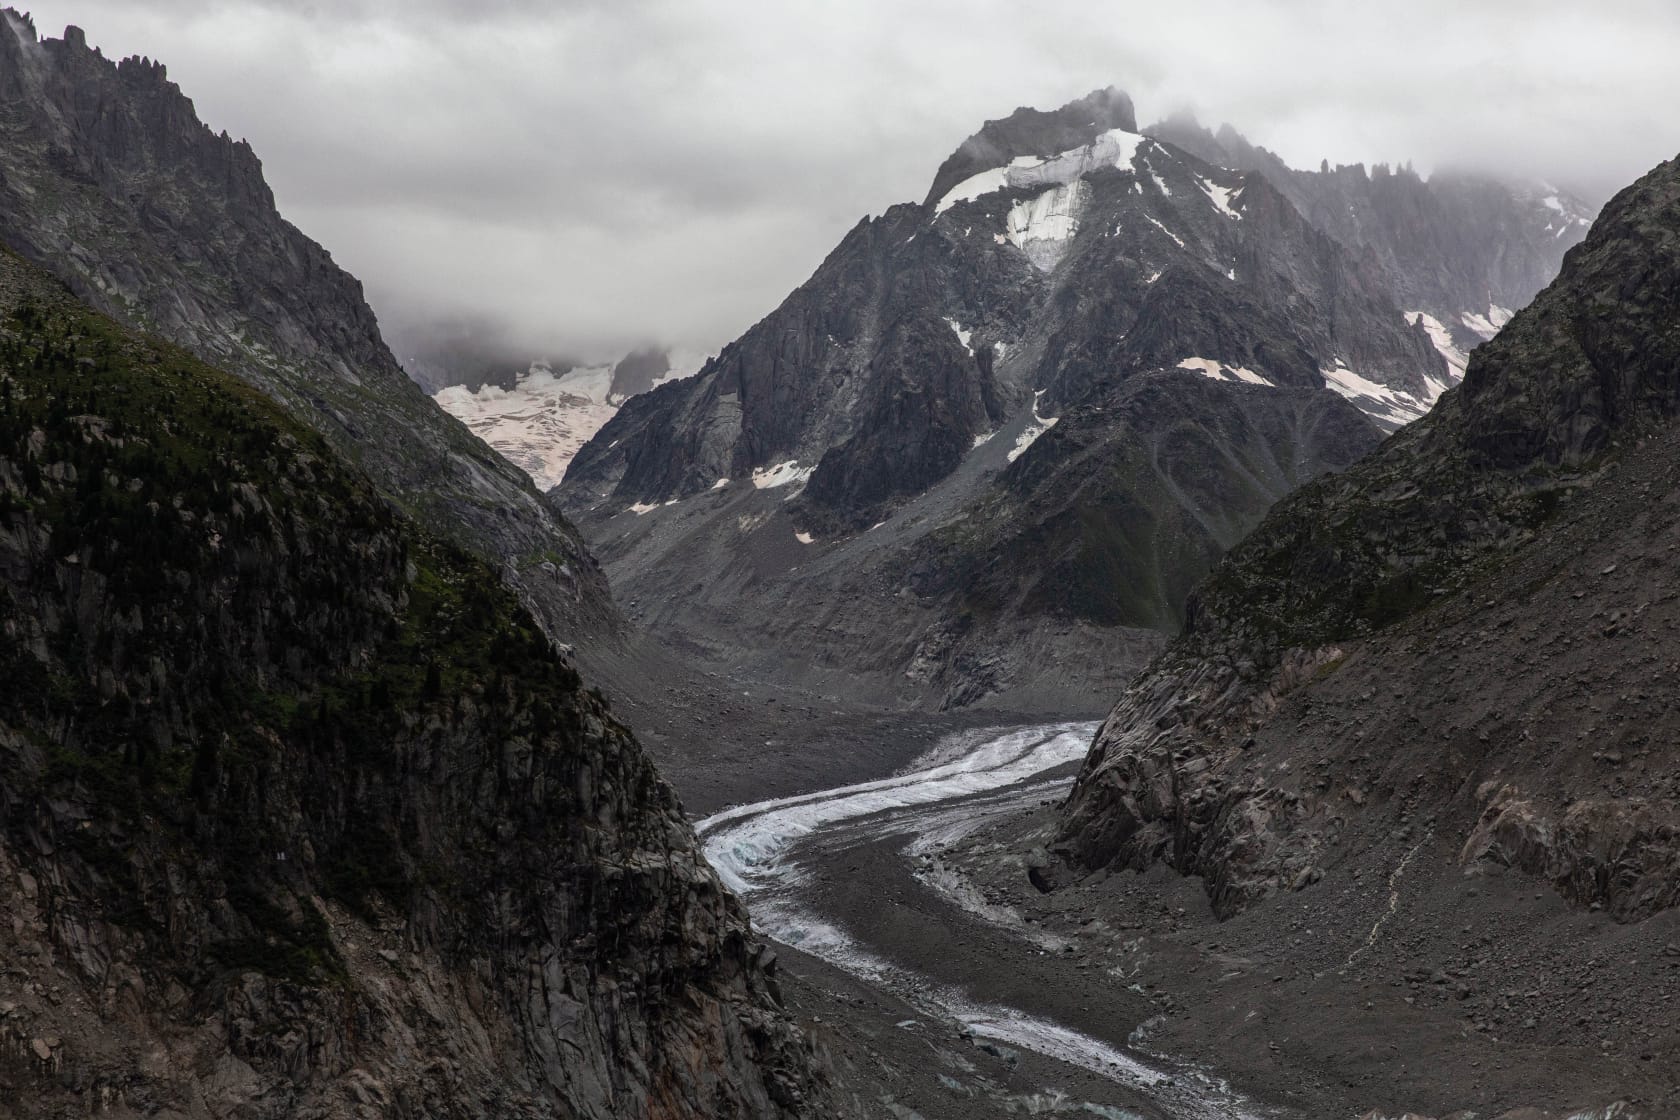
752 848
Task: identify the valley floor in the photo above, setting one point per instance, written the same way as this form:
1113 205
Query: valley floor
1379 990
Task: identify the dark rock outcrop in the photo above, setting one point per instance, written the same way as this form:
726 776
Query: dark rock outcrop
109 180
301 813
638 370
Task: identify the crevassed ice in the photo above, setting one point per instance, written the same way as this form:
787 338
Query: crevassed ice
542 421
1114 148
747 844
753 847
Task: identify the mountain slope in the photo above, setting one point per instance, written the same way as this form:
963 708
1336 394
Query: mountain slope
1416 745
108 179
1528 518
880 439
1462 249
300 803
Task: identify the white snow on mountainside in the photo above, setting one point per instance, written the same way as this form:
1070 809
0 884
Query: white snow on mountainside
540 423
1115 148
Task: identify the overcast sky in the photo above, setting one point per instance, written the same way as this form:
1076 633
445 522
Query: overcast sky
593 174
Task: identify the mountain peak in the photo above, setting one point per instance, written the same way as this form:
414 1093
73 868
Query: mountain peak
1035 132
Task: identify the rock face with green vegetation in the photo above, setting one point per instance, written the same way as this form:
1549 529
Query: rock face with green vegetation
301 813
1467 636
109 180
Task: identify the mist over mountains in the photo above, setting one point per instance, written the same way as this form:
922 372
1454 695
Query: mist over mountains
690 191
1146 627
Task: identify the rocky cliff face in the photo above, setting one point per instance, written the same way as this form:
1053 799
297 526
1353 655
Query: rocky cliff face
301 813
1085 341
1467 635
108 179
1463 249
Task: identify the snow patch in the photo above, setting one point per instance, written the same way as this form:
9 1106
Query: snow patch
720 484
803 538
1220 371
1042 226
643 507
1115 148
1038 427
973 187
1177 240
1479 323
962 335
1372 398
788 473
1221 197
1487 325
1443 342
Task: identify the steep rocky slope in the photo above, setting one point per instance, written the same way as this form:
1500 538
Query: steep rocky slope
109 180
1462 648
301 814
1462 249
1043 400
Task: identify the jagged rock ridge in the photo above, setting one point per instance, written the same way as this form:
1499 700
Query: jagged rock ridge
1462 249
300 804
108 178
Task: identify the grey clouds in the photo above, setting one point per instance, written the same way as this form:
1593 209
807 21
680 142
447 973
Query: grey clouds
595 174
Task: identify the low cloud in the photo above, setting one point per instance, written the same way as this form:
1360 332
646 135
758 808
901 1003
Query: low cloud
597 174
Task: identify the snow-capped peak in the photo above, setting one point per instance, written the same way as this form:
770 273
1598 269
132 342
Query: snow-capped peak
1114 148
